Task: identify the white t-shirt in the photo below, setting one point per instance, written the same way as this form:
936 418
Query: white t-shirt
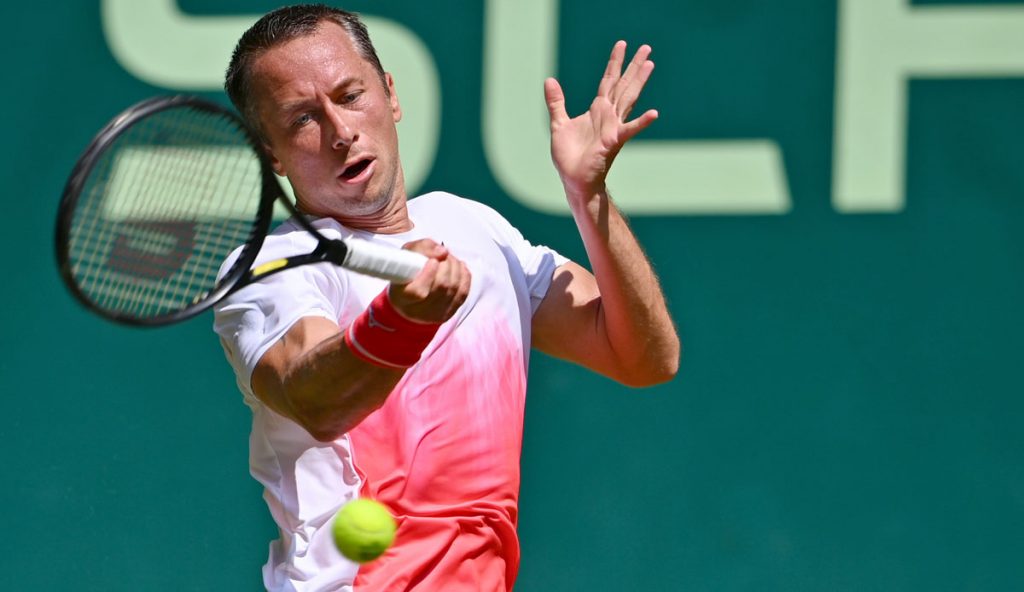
442 452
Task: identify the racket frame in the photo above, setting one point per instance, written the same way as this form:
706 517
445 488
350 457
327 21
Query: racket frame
361 256
271 192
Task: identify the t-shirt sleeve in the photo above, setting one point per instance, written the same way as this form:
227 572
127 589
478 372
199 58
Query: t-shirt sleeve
254 318
537 262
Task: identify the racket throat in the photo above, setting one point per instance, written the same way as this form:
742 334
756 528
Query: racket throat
332 251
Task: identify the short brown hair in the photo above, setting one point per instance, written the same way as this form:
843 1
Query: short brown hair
278 27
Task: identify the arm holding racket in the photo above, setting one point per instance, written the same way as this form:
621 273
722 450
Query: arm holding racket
620 308
166 211
313 376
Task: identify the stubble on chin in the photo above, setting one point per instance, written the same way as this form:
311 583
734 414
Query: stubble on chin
363 210
377 203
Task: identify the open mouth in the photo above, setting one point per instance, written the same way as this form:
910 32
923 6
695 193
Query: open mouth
355 169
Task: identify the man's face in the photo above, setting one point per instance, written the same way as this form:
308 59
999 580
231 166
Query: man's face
329 124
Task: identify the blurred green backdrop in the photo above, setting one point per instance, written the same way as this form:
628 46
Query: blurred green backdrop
848 414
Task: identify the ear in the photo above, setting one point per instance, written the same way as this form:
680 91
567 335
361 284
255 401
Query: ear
274 162
396 108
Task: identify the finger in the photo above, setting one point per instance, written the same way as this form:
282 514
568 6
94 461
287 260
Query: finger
555 99
638 125
462 291
632 91
466 281
405 294
446 296
428 298
641 56
613 70
635 69
448 277
427 248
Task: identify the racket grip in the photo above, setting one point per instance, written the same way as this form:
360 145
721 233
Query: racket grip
395 265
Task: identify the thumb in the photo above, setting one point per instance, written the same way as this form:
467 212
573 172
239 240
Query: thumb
555 99
427 248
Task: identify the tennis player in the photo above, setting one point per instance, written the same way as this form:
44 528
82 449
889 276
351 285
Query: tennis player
413 394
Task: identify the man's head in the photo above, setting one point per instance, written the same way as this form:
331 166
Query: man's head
278 27
308 80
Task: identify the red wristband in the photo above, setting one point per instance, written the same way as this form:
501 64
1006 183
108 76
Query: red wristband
382 336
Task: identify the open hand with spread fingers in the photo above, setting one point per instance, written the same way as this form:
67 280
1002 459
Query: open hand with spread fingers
584 147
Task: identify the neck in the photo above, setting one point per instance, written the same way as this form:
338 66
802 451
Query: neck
391 219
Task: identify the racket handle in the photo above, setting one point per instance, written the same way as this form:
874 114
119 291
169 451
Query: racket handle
395 265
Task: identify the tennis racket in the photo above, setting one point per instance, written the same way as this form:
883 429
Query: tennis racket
159 200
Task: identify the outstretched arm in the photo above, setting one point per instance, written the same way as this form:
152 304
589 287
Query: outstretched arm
615 320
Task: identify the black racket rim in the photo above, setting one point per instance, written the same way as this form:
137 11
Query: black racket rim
271 191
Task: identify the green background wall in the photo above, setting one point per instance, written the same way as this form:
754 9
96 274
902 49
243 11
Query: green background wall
848 415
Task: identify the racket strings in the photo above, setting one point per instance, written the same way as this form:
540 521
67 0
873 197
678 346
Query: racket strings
161 210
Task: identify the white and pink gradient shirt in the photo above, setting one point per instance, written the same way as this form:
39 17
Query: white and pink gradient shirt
442 453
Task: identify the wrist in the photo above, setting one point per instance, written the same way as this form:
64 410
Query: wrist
382 336
583 190
584 193
587 201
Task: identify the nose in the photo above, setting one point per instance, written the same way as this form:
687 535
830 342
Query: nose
342 132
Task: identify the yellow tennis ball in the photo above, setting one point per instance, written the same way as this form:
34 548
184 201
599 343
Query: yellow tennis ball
363 530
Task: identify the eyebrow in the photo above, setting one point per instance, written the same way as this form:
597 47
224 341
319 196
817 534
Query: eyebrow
294 106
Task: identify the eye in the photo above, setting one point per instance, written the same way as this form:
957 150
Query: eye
302 120
350 97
